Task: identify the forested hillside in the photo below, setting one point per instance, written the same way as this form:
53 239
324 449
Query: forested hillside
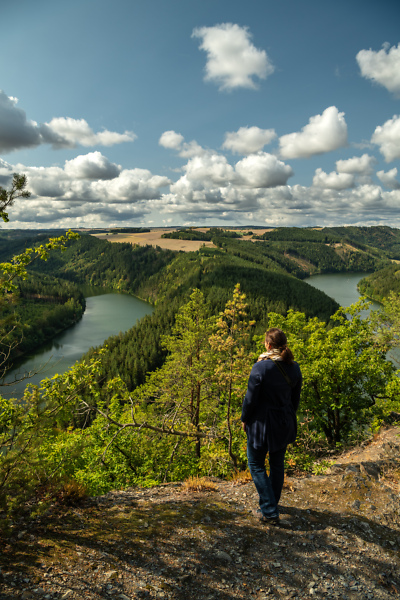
386 239
167 278
216 273
47 305
269 269
378 285
325 251
44 305
162 401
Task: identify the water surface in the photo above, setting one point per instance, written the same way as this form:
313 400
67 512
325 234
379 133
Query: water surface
342 287
105 315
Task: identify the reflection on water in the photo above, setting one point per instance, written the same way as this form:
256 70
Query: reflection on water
105 315
342 287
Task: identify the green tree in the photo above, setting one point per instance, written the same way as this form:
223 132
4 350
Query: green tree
181 390
230 344
8 197
344 371
34 451
386 322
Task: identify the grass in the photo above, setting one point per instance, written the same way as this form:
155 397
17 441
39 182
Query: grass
198 484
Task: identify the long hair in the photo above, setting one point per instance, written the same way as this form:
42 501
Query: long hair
277 339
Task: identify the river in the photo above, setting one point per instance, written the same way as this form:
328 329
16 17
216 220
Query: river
108 314
105 315
342 287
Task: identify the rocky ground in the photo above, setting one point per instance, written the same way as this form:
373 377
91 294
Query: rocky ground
341 540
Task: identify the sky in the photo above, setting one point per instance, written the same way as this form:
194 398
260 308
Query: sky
155 113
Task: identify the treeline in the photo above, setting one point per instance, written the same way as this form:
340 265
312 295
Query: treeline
269 272
215 272
379 285
327 250
386 239
129 230
302 259
299 234
81 433
162 401
212 235
95 262
45 306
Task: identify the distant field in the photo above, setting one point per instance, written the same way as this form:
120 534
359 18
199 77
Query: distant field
153 238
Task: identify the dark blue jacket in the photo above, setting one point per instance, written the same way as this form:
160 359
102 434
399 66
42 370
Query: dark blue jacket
270 405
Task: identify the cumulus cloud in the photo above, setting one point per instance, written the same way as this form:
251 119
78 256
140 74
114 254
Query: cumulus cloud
332 181
323 133
387 136
263 170
64 132
248 140
232 60
210 169
176 141
389 178
382 67
131 185
88 191
17 132
15 129
358 165
92 166
92 178
171 139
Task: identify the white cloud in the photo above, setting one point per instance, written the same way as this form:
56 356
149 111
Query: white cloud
17 132
248 140
64 132
232 60
263 170
92 166
210 169
383 67
323 133
45 182
130 186
171 139
358 165
176 141
389 178
136 195
387 136
77 182
333 181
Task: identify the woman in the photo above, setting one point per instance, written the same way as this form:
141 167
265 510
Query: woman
269 419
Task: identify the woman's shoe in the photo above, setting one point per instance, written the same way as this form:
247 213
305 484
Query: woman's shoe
269 520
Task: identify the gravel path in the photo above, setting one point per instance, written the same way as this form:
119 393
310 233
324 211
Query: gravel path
341 540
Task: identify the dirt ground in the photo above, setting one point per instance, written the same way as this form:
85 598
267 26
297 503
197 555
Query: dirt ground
340 539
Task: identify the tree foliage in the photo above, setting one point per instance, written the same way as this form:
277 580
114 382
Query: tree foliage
8 197
344 371
163 400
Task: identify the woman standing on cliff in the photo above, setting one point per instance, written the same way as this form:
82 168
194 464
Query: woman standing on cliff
269 419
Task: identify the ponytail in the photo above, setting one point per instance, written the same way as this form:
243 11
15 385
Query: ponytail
276 338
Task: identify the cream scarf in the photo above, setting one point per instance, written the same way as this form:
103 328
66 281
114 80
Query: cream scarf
274 354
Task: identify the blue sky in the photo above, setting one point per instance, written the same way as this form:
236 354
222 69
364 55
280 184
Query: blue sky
156 112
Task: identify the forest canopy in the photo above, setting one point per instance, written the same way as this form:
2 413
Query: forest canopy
162 401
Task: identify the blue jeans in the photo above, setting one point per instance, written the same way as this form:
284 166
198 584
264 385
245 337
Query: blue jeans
269 488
